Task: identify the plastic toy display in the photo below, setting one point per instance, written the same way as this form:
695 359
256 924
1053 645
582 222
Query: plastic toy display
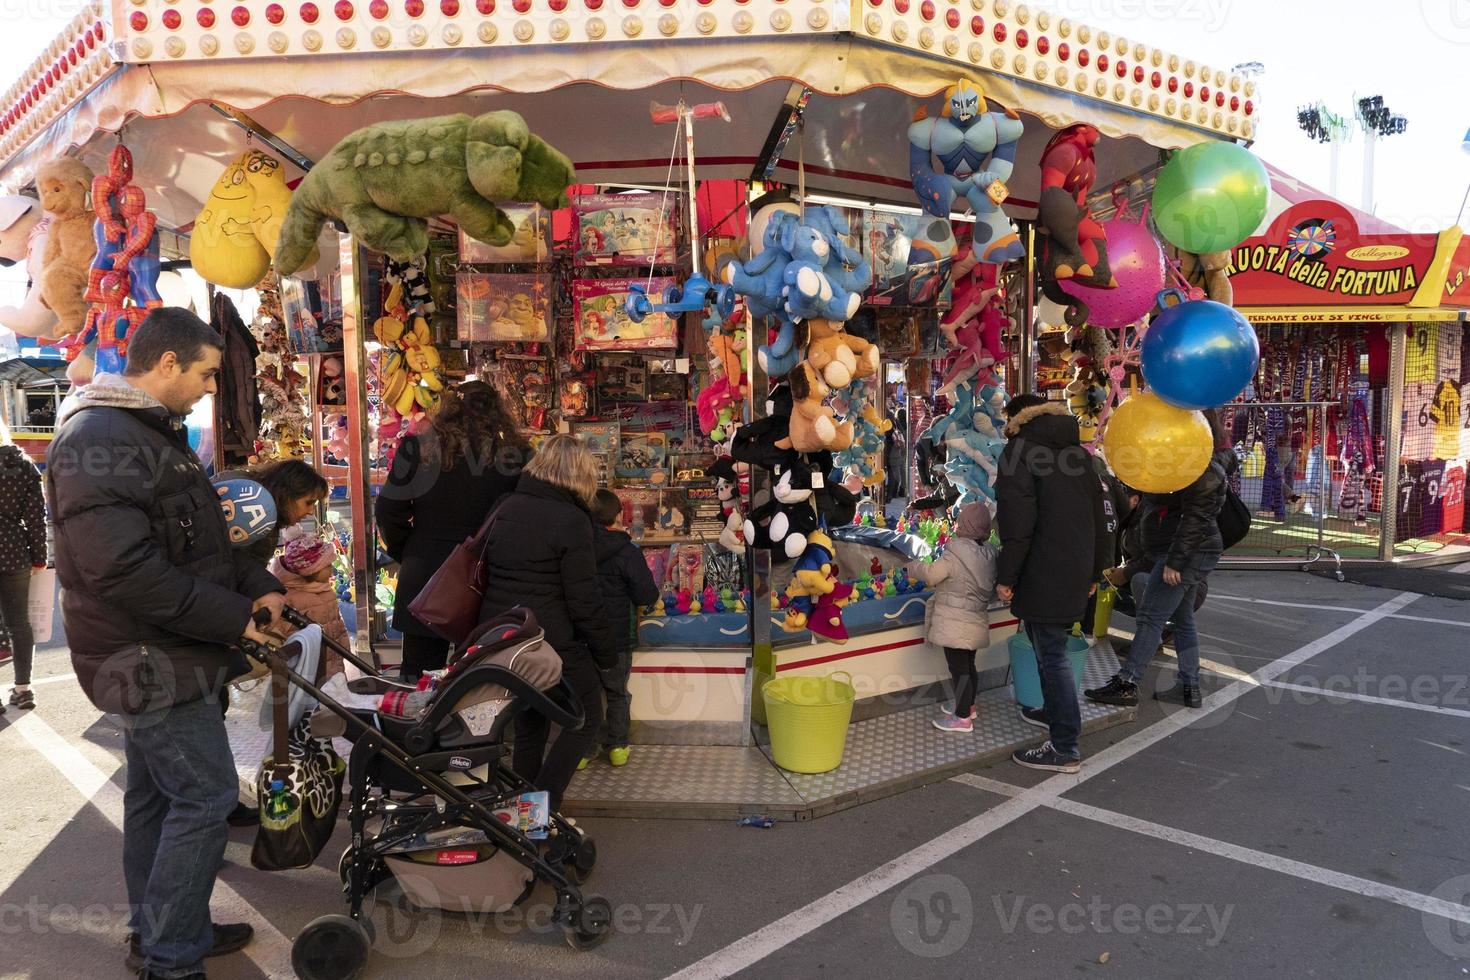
602 316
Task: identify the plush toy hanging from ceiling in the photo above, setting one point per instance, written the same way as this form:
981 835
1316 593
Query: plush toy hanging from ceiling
974 324
805 271
718 404
862 462
236 234
23 227
974 141
122 285
972 435
408 365
1073 245
63 184
385 180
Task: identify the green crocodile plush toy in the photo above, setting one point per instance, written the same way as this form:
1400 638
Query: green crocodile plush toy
383 181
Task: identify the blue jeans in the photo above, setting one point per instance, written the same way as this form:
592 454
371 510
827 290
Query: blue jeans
1058 687
1160 603
181 785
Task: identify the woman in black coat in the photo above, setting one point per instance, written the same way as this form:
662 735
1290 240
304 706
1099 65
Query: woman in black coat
22 554
540 555
444 482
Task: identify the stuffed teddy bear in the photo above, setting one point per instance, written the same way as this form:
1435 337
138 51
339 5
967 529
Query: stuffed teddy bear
1209 271
813 426
23 238
838 356
384 181
63 184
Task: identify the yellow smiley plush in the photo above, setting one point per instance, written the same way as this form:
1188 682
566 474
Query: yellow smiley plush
234 237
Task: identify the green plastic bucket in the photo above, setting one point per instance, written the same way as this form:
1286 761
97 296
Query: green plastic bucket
1025 675
808 719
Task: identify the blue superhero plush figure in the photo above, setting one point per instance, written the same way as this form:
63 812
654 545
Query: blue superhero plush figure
974 141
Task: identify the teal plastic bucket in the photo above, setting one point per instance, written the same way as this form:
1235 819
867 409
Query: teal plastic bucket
1026 679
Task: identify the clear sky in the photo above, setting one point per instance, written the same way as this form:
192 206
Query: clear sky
1410 52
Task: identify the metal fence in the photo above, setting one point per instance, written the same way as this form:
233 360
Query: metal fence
1305 503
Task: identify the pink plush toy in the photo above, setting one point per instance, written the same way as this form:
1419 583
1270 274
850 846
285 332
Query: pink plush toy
973 324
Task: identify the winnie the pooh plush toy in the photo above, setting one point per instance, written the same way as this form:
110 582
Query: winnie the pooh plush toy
384 181
63 184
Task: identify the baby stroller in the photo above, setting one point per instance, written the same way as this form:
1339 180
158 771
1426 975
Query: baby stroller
440 774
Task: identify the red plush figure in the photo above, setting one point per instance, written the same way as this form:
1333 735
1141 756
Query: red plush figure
826 615
1074 245
973 324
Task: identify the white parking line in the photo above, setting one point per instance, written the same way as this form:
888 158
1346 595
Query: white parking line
1271 862
1462 624
1245 855
1367 698
776 935
270 950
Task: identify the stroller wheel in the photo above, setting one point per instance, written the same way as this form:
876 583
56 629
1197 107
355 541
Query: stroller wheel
332 947
582 860
590 925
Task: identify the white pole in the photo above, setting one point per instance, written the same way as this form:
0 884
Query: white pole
1368 142
687 115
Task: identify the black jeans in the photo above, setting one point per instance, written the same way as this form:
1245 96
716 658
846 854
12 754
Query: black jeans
966 680
552 769
421 653
615 726
15 594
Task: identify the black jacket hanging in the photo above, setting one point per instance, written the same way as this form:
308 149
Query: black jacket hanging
237 410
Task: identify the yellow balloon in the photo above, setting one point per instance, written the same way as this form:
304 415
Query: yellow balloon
1154 447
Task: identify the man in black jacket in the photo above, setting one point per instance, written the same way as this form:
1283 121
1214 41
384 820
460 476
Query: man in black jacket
1181 537
153 596
1055 543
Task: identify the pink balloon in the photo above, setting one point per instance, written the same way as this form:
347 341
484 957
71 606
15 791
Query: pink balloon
1138 265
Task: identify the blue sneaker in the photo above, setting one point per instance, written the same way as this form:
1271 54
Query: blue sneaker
951 723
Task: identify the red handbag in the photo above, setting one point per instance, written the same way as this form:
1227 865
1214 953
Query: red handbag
449 603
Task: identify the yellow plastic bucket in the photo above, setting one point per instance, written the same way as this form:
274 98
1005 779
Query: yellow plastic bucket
808 719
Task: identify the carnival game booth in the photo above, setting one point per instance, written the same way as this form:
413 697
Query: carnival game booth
216 102
1358 408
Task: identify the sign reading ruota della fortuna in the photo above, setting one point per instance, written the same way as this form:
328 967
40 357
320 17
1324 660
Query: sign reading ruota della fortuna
1312 254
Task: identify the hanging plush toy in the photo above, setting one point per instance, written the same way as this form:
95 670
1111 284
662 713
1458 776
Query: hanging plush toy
813 426
838 356
123 283
408 372
23 227
384 181
1074 246
236 234
974 324
63 184
974 141
816 596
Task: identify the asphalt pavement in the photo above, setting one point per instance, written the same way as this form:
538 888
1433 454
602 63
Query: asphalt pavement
1309 821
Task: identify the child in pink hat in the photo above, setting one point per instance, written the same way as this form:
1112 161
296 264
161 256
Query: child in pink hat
305 569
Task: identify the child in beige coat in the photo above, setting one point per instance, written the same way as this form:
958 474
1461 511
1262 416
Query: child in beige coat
958 619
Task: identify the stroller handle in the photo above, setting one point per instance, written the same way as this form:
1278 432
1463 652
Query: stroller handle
300 620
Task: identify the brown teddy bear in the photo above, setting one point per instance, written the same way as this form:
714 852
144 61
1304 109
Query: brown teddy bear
838 356
814 427
1211 272
63 185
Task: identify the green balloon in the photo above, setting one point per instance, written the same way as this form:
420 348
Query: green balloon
1210 197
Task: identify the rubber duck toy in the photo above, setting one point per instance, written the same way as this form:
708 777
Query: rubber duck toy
889 589
658 607
709 600
684 602
739 604
694 606
877 567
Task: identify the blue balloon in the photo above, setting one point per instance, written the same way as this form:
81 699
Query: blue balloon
1199 354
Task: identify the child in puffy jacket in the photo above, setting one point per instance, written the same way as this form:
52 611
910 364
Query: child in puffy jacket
958 617
305 569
